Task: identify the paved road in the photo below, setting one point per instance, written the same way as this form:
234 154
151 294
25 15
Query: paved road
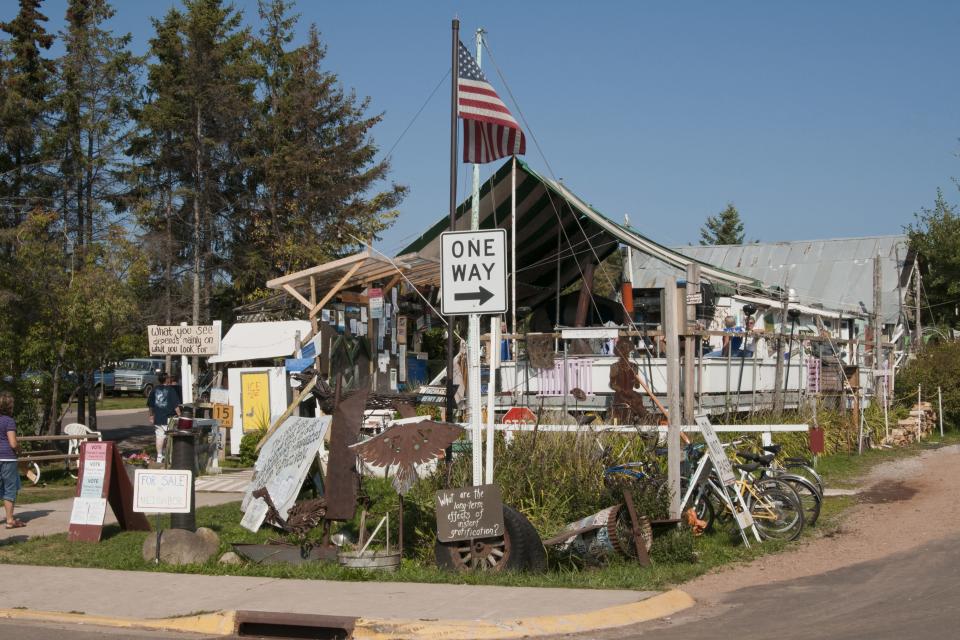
11 630
907 595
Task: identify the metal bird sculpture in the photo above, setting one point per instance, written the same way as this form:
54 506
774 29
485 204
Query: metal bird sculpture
406 445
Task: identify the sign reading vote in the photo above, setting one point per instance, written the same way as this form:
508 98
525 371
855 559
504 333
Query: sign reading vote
469 513
473 265
162 490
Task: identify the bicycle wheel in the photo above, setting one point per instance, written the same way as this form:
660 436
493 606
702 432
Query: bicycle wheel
31 470
703 507
776 509
810 498
808 473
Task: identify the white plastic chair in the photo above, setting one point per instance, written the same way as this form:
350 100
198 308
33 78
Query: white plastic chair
73 446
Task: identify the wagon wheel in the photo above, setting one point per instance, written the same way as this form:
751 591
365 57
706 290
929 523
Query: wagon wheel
518 548
485 554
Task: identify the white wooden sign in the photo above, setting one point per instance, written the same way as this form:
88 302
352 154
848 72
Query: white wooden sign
282 467
162 490
717 455
473 266
197 340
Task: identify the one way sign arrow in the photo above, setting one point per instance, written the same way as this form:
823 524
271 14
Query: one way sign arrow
473 267
483 294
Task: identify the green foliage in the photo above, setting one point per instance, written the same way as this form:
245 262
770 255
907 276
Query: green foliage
248 446
938 365
674 547
723 228
935 237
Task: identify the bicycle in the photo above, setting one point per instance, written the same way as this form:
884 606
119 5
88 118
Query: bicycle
773 504
810 496
797 466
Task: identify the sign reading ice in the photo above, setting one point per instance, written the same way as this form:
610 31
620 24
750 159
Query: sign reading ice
473 265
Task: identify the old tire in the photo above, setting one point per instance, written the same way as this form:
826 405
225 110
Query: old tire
519 549
147 388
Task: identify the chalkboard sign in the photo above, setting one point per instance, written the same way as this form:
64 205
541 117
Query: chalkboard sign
469 512
282 467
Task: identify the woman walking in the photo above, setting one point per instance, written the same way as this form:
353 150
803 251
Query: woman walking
9 474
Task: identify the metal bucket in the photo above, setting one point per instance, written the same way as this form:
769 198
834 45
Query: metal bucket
370 560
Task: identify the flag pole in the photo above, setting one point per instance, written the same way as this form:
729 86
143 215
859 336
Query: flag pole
473 335
451 403
513 260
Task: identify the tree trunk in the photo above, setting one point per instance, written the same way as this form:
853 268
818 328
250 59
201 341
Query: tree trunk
168 265
92 412
198 184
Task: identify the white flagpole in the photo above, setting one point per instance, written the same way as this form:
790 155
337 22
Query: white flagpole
473 335
513 257
492 362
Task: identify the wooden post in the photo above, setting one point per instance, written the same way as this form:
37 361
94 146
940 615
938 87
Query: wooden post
586 293
877 327
671 330
778 348
918 330
689 386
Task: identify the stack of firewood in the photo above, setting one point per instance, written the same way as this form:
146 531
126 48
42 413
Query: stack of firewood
921 422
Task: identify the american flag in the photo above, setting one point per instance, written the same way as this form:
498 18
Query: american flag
489 131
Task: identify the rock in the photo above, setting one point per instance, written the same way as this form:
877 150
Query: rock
179 546
209 538
230 558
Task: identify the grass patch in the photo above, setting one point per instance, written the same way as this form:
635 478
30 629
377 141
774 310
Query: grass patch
116 402
122 550
33 495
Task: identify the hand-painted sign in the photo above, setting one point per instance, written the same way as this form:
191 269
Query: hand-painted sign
162 490
469 512
201 340
473 267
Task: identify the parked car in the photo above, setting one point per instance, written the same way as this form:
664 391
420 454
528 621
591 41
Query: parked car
104 382
139 375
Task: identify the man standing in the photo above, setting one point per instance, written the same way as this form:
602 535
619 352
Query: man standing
164 402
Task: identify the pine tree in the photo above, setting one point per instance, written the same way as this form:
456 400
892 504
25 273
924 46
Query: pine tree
96 94
201 99
25 83
314 161
723 228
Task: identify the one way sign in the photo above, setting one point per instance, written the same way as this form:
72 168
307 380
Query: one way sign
473 265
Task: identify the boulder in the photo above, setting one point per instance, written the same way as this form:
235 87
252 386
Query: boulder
230 558
179 546
209 538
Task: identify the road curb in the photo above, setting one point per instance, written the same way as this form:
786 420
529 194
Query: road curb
658 606
223 623
220 623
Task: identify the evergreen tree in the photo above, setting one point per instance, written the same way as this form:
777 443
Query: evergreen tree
96 95
723 228
314 162
25 83
201 88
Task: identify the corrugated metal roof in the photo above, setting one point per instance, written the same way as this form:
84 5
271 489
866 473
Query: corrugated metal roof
836 273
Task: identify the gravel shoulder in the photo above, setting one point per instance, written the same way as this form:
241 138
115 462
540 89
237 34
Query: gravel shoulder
903 504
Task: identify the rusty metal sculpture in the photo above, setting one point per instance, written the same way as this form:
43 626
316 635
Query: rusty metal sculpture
628 406
407 445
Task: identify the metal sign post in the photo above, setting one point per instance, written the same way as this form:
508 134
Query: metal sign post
473 268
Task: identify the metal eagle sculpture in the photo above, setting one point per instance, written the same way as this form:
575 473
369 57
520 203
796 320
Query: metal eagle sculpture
407 445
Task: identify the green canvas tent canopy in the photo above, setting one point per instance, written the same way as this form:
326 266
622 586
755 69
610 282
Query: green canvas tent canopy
553 224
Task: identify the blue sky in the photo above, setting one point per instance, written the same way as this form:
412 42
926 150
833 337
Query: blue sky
817 119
